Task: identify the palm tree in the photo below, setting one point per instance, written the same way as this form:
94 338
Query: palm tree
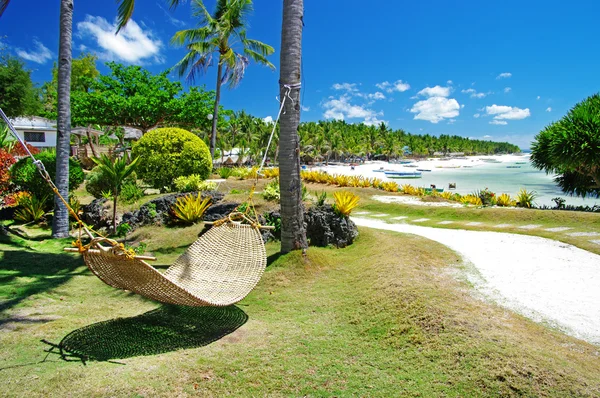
60 221
293 232
114 173
219 33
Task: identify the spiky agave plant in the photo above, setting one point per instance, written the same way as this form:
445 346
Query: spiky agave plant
190 208
345 202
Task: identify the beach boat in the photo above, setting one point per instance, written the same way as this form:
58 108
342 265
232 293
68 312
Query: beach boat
521 163
423 169
448 167
513 167
411 165
403 174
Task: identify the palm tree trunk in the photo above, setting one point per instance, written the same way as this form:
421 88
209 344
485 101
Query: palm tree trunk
60 223
293 231
213 133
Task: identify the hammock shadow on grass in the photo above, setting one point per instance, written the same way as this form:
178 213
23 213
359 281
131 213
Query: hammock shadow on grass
165 329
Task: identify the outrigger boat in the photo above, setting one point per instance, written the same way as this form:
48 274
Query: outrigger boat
403 174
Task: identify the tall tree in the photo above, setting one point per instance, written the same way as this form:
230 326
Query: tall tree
18 95
293 232
218 33
60 222
570 148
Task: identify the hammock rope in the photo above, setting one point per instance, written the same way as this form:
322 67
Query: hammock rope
220 268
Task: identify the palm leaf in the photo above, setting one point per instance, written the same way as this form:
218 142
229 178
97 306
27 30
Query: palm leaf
3 5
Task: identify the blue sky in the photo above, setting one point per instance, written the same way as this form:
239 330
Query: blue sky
491 70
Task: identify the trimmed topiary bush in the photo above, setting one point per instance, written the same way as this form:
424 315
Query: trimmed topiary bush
168 153
26 176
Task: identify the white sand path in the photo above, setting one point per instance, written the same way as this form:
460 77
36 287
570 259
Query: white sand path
546 280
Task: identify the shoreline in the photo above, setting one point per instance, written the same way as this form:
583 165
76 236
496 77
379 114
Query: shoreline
500 173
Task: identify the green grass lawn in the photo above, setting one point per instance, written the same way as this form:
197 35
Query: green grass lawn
384 317
390 315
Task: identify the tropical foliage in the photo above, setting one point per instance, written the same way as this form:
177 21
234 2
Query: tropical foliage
31 208
570 148
526 198
168 153
191 208
133 97
193 183
345 202
18 95
218 35
115 172
25 174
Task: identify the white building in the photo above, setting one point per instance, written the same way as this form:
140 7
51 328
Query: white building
35 130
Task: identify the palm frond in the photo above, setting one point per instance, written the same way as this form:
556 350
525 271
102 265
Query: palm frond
258 58
3 5
191 35
258 46
124 12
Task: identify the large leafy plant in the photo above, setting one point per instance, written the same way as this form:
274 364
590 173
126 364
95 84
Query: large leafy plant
191 208
345 202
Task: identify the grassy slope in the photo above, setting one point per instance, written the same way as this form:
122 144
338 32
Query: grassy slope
331 324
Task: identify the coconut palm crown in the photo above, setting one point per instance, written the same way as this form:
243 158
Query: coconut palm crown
220 37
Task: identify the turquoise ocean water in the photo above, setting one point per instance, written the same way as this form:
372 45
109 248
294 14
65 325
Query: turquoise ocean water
500 179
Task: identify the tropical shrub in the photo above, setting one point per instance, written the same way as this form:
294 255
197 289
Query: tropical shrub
194 183
273 221
345 202
191 208
31 208
390 186
271 191
505 200
487 197
168 153
14 199
570 148
96 182
321 198
471 200
123 229
75 205
225 172
131 191
6 161
271 172
25 174
525 198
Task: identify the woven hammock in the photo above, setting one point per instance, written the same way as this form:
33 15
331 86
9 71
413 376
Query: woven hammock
220 268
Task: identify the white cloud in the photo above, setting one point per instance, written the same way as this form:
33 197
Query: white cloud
38 55
131 45
341 108
373 121
350 87
487 137
268 120
501 112
435 109
305 108
449 82
436 91
476 115
504 75
376 96
507 90
538 97
549 109
451 121
398 86
499 122
473 93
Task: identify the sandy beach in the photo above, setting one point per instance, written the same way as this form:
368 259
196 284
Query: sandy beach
545 280
501 174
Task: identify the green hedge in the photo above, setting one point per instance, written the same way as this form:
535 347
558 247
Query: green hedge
168 153
26 176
